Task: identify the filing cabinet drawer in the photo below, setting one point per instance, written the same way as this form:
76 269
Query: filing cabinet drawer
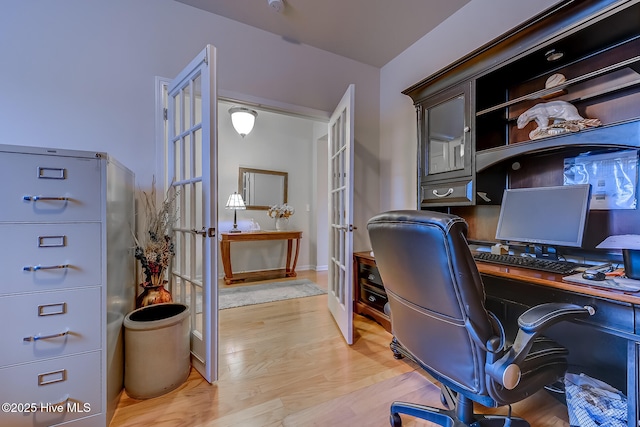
71 319
371 274
448 193
50 188
372 296
45 257
66 388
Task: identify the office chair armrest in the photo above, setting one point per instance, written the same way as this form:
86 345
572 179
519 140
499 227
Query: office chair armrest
532 322
542 316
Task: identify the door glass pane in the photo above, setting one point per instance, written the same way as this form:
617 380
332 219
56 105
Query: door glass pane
197 149
177 155
188 160
177 262
197 94
197 317
446 136
187 107
177 115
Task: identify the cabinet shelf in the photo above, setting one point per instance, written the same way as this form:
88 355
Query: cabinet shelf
622 135
582 78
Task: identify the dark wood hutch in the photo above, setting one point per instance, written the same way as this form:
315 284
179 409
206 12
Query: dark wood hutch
488 89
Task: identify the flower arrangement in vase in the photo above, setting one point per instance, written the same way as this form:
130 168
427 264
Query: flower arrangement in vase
281 213
156 248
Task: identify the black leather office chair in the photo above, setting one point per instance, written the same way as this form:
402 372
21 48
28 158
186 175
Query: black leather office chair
439 320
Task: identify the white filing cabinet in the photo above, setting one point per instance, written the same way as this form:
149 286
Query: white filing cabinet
66 282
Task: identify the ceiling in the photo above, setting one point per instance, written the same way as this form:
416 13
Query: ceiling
369 31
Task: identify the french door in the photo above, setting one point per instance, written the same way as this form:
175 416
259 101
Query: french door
340 280
192 175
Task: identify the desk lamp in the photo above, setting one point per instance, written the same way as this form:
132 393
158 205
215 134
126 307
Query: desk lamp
235 202
630 245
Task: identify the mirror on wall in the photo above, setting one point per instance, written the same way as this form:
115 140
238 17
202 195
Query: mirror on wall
261 188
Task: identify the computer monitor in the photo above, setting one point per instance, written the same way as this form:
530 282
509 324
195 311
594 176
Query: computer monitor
554 216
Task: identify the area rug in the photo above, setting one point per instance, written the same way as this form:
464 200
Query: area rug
268 292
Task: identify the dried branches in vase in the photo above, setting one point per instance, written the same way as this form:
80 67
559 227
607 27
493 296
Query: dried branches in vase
156 248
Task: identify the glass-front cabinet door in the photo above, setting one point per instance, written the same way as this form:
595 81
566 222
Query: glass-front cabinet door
446 136
446 149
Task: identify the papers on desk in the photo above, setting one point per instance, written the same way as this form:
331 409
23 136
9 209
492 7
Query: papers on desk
623 241
613 283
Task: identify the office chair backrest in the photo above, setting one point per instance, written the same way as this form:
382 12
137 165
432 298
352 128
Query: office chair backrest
435 293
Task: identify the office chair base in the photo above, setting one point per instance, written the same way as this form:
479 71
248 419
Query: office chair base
447 418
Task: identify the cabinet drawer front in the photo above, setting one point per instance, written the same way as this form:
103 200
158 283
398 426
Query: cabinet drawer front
60 389
445 194
43 257
372 296
370 274
49 188
49 324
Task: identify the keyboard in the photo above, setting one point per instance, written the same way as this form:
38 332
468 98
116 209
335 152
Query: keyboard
558 267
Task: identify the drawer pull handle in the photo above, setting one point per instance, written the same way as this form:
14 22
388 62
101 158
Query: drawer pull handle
44 198
44 267
48 406
371 277
448 193
372 298
46 337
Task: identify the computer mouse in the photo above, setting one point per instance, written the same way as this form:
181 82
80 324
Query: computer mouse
593 275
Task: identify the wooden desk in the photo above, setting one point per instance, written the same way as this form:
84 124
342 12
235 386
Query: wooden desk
288 271
605 346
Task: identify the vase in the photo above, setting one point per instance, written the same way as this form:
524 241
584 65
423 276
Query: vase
153 295
282 223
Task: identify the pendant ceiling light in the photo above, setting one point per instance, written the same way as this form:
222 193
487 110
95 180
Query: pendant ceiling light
243 119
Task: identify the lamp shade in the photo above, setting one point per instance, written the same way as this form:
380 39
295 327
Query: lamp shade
622 241
630 245
243 119
235 202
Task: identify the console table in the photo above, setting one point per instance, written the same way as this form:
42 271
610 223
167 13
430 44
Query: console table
290 266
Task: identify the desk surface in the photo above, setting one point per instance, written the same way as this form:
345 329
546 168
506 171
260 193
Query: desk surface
545 279
554 281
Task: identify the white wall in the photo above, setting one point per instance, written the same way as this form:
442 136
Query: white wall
80 74
281 143
474 25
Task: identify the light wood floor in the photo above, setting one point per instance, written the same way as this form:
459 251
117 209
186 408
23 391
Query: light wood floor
286 364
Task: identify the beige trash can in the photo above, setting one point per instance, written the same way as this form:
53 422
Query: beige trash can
157 358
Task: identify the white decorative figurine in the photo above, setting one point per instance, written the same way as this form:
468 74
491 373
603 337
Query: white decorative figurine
564 115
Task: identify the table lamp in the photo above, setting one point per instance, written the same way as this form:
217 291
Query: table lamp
235 202
630 245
